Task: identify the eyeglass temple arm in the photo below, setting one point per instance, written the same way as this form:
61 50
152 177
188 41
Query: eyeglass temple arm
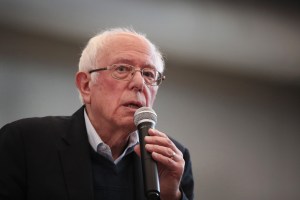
96 70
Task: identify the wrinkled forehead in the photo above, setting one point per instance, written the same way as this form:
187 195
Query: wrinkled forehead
124 45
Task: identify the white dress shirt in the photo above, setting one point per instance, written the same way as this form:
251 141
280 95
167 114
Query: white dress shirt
99 146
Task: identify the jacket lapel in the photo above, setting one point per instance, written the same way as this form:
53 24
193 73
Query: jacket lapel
75 159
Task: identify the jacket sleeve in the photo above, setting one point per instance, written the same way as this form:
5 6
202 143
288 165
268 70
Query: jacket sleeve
187 181
13 164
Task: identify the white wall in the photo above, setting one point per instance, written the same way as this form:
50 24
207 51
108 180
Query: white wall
243 134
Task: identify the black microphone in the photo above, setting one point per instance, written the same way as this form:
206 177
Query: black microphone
145 118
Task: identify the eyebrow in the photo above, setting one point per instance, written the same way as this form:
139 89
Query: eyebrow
124 60
131 62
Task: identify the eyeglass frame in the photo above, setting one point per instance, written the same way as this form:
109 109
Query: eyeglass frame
163 77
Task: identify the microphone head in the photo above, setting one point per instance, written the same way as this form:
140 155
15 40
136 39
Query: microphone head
145 114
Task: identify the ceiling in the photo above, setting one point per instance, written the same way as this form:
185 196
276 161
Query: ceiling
260 38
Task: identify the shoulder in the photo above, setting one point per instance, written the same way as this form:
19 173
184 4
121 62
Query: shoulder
37 129
38 125
42 130
34 124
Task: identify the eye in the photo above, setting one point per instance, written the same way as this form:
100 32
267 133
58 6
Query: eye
123 68
149 73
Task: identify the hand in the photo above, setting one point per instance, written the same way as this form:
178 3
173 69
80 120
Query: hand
169 160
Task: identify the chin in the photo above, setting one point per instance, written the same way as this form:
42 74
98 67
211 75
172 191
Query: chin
129 129
128 124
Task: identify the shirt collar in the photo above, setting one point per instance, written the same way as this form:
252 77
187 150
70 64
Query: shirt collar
95 140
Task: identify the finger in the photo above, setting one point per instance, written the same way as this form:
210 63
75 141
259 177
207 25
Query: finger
154 132
165 160
165 151
162 142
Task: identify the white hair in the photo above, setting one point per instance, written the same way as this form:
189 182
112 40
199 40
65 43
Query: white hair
96 44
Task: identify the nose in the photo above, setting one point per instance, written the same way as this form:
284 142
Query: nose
137 82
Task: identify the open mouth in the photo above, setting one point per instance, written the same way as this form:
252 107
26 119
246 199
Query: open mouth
134 105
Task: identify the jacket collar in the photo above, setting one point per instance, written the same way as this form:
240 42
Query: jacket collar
75 159
76 162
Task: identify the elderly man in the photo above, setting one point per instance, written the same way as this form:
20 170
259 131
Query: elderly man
94 154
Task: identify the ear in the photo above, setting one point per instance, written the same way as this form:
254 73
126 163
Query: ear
82 83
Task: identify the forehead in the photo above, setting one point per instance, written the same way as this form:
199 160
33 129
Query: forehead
127 48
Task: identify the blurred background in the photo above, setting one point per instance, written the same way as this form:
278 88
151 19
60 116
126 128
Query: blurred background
232 92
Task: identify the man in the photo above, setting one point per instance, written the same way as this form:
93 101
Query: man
94 154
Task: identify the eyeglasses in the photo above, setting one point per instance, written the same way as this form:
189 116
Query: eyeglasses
126 72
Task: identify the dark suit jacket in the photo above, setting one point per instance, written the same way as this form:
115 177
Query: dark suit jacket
49 158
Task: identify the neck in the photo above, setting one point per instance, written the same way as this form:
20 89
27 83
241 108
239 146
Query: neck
115 137
117 141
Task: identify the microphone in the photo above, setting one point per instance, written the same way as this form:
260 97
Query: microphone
145 118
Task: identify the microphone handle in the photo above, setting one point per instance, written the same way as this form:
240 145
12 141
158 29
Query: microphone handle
149 166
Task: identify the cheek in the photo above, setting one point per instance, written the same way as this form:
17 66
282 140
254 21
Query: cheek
151 96
103 91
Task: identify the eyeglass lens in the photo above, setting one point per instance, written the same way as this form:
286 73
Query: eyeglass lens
126 72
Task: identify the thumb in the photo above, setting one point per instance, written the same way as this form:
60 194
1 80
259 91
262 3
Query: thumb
137 150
